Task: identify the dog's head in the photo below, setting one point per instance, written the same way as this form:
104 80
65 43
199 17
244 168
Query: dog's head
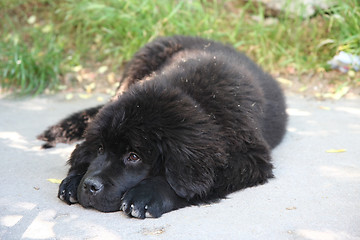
148 132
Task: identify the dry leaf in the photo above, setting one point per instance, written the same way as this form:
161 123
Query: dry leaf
325 108
48 28
84 96
69 96
336 150
102 69
89 88
77 68
31 19
53 180
325 42
336 94
284 81
351 73
111 78
303 88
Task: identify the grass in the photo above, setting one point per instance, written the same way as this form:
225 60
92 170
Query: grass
32 69
42 40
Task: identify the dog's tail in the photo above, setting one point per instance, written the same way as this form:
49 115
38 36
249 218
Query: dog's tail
70 129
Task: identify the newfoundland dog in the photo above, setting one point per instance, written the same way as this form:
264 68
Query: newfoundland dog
192 121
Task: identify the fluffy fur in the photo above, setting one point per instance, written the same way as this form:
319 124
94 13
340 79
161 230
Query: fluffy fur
192 121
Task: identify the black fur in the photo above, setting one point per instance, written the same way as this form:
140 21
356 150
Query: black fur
70 129
192 121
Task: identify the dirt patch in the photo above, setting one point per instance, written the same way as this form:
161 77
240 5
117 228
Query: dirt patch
320 85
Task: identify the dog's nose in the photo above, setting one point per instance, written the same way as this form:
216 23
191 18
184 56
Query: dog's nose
93 185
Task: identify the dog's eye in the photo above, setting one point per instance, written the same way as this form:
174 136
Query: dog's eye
133 157
101 149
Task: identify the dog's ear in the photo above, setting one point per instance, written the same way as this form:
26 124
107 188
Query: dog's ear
190 166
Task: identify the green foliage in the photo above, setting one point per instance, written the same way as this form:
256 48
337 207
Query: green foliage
117 29
43 39
30 69
346 23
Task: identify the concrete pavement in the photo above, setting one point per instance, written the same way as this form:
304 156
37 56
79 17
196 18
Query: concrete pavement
315 195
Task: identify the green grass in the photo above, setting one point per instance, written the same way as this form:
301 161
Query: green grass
42 40
116 29
32 69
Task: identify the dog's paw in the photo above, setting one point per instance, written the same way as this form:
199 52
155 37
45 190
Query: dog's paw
151 198
68 189
139 202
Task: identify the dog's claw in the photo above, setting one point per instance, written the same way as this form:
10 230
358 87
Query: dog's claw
68 189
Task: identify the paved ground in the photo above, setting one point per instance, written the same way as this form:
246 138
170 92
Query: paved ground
316 194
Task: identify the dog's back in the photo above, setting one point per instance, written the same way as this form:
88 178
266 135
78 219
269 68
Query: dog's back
214 73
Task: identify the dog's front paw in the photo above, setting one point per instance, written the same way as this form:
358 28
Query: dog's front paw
151 198
68 189
139 202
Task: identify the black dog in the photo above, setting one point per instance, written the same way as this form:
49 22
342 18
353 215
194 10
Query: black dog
193 120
